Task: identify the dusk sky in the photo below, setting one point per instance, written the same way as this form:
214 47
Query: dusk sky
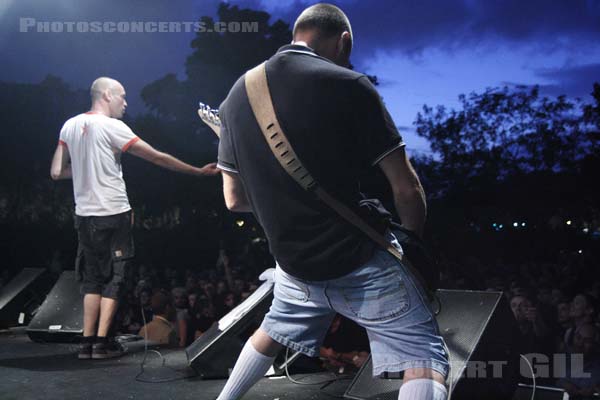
423 52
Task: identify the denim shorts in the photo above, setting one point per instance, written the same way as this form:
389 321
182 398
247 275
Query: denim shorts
381 296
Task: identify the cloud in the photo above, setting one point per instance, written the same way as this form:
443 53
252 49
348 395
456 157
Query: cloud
413 26
397 27
573 81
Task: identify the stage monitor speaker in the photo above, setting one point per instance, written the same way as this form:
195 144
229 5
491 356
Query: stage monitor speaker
60 317
20 297
479 330
214 353
528 392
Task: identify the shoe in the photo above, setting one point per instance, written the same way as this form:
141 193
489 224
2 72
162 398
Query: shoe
85 351
108 349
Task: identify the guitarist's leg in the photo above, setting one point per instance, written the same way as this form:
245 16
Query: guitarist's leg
298 318
254 361
403 333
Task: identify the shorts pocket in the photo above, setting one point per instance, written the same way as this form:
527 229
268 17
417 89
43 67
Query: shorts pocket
377 296
289 288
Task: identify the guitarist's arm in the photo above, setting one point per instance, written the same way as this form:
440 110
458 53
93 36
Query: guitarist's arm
234 193
233 188
409 196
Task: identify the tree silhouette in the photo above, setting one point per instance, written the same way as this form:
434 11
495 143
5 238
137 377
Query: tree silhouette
504 132
509 155
217 60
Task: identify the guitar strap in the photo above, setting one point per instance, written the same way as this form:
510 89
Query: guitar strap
262 105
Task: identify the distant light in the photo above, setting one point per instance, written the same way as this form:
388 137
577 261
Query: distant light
522 223
240 222
569 222
501 226
585 230
494 224
515 224
580 251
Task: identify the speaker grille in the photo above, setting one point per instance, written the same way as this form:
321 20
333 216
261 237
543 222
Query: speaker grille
464 319
214 353
22 295
60 317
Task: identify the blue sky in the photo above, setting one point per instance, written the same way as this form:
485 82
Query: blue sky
423 52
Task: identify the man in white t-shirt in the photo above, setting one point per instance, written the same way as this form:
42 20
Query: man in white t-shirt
89 151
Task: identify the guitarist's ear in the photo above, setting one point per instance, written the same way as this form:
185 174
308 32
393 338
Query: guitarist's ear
343 47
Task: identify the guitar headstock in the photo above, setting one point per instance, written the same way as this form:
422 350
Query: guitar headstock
210 117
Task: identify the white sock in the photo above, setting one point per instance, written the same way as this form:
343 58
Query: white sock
249 368
422 389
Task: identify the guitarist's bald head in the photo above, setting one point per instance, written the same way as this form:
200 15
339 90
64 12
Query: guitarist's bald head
325 28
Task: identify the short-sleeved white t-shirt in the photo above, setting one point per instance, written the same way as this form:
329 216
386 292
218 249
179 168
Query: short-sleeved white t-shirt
95 144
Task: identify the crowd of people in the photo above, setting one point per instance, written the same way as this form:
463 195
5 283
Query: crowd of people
190 300
555 306
557 312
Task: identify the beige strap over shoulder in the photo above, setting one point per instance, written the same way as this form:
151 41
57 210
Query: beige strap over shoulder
262 105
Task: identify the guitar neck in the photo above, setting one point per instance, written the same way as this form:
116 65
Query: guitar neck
210 118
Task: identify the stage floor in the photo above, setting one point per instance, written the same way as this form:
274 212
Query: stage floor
30 370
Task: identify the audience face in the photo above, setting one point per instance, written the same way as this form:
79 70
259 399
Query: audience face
519 306
179 297
229 300
209 290
580 309
190 284
192 297
207 311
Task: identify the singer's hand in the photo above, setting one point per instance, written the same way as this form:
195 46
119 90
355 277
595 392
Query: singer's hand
210 170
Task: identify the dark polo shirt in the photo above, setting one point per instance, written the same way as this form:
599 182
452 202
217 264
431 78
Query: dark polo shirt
338 126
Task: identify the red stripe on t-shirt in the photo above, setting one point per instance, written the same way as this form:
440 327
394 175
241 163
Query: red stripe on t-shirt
129 144
62 143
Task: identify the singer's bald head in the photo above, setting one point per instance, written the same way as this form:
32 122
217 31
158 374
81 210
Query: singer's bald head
101 85
108 97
